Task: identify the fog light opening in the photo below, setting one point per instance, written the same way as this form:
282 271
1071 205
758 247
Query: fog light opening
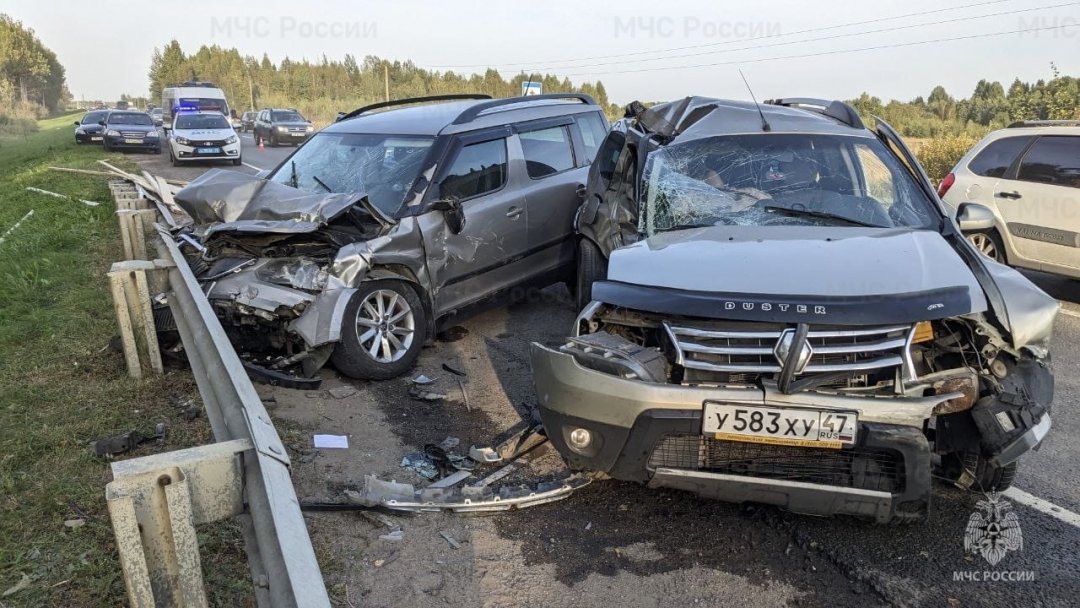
580 439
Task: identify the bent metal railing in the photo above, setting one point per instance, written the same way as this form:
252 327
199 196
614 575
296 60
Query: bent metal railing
156 501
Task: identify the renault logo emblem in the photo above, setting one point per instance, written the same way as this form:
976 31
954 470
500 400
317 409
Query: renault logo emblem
786 344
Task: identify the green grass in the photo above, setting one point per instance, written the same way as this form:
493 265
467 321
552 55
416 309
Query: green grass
61 387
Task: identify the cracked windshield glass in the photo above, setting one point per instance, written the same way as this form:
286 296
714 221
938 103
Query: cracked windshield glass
780 180
383 167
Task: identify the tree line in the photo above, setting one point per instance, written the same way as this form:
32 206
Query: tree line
990 106
321 88
32 81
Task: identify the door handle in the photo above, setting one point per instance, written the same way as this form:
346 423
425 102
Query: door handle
1011 195
581 191
514 212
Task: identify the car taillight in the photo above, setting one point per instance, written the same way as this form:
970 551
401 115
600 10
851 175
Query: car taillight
946 183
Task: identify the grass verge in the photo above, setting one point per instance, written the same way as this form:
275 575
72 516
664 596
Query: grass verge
61 387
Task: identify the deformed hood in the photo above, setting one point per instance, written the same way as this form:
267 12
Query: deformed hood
229 201
843 275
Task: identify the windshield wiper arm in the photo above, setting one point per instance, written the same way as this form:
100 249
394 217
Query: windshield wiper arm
321 183
686 227
825 215
293 180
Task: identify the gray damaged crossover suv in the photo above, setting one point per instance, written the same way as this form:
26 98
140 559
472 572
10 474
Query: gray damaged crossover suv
780 310
388 225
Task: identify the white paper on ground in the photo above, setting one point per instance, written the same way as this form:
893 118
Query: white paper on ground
331 441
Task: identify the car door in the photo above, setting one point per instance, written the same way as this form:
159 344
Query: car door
554 188
1039 200
483 174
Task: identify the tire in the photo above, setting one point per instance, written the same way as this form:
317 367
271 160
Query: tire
989 244
273 141
353 354
105 145
258 140
237 162
984 476
173 159
591 267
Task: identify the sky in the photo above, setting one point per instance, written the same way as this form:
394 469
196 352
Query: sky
649 51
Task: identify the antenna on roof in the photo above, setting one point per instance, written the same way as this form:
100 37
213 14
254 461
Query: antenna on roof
764 123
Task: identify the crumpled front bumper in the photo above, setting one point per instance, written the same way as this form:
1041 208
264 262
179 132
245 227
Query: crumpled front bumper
629 420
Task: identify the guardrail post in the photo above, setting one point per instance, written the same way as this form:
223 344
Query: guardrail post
155 503
134 317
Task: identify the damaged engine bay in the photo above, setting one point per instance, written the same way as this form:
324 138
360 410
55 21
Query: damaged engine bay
278 267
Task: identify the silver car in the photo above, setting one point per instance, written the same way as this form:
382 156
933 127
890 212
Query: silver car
390 224
777 308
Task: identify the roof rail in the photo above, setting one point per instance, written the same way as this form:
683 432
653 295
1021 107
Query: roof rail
472 112
408 100
196 83
837 110
1044 123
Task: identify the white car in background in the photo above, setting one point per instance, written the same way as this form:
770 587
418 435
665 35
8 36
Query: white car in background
1022 189
197 136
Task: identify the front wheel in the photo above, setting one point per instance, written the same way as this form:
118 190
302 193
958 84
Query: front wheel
591 267
989 244
975 473
382 333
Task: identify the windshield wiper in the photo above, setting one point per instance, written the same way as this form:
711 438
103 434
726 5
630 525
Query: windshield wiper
293 180
321 183
685 227
824 215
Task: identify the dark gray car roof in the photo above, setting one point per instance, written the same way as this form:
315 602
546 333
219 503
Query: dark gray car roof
436 118
731 117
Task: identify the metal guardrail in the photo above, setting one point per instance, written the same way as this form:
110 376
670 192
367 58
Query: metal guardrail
156 501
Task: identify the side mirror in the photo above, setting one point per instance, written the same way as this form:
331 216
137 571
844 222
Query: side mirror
77 123
455 216
101 122
974 217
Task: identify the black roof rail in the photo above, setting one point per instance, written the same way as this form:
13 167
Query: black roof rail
408 100
472 112
833 109
1044 123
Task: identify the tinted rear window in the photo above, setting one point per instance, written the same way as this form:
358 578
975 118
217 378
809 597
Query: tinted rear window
547 151
996 158
1053 160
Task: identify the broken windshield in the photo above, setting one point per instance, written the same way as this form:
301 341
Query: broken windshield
384 167
780 180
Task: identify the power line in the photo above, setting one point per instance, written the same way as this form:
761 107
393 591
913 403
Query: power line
712 44
833 37
824 53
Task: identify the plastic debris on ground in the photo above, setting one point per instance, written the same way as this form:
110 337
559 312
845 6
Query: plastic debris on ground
422 379
421 394
395 536
421 464
331 441
450 540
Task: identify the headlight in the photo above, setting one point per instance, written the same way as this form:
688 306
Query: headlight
183 141
151 134
295 272
80 131
283 129
310 128
232 139
113 133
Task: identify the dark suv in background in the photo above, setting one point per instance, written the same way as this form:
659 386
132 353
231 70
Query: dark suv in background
281 126
131 130
400 219
247 121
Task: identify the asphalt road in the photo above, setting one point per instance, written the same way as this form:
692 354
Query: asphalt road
697 551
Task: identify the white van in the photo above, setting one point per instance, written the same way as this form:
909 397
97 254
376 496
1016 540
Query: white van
192 96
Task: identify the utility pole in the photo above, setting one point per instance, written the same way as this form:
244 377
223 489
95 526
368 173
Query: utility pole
386 80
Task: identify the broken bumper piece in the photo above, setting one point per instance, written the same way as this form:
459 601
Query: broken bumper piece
470 499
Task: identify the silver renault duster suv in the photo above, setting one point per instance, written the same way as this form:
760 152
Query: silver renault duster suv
777 308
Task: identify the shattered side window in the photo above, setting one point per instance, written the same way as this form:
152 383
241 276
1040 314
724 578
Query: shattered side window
384 167
780 179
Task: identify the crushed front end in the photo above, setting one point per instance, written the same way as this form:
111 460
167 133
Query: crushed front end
815 417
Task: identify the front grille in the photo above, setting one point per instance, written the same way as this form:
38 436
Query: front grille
749 348
861 468
208 142
133 134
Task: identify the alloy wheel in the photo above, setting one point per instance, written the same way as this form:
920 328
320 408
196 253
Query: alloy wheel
986 245
385 325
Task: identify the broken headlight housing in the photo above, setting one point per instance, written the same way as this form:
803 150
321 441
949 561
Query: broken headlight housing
298 273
